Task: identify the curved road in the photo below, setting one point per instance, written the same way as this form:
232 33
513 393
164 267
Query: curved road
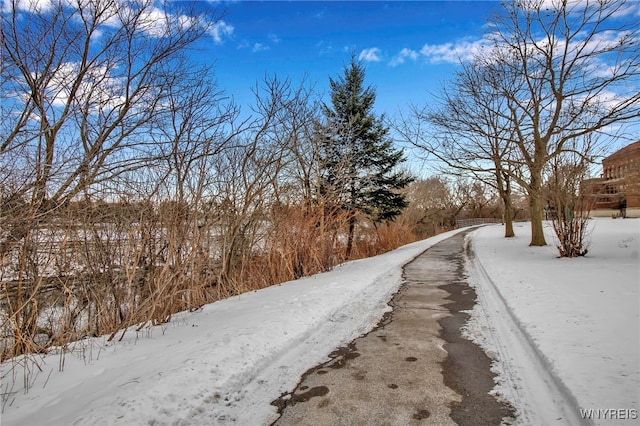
414 367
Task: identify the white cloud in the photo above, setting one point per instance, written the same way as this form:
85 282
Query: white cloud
463 50
219 30
153 22
33 6
401 57
259 47
606 40
607 100
273 38
534 5
371 54
628 9
324 48
349 48
467 49
98 90
578 7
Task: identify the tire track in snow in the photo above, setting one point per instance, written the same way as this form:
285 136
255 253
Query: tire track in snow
530 384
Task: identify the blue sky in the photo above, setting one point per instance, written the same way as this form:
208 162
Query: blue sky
408 47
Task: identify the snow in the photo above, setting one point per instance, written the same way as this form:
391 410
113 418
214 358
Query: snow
222 365
578 318
564 334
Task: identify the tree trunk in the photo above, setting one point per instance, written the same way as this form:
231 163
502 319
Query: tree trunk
504 189
508 217
352 226
536 205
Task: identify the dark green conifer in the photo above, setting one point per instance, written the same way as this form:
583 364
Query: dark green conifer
359 161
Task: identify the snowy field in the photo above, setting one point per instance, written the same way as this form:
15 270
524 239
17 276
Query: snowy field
567 330
565 333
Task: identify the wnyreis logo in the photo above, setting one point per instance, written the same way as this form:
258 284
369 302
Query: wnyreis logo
609 413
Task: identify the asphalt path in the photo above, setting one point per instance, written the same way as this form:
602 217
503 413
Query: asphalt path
414 367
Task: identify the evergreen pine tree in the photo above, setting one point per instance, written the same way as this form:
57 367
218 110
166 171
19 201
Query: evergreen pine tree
357 155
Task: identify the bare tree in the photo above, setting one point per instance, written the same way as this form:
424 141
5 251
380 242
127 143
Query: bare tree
569 207
253 175
298 114
87 85
556 76
433 206
87 81
468 133
197 129
567 71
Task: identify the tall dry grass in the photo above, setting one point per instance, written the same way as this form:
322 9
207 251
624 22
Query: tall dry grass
100 270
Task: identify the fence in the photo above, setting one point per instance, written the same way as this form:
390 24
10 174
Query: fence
462 223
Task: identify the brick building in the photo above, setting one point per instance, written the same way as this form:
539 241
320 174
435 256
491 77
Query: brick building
617 191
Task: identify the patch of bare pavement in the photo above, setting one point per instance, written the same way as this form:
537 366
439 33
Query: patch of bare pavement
414 367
